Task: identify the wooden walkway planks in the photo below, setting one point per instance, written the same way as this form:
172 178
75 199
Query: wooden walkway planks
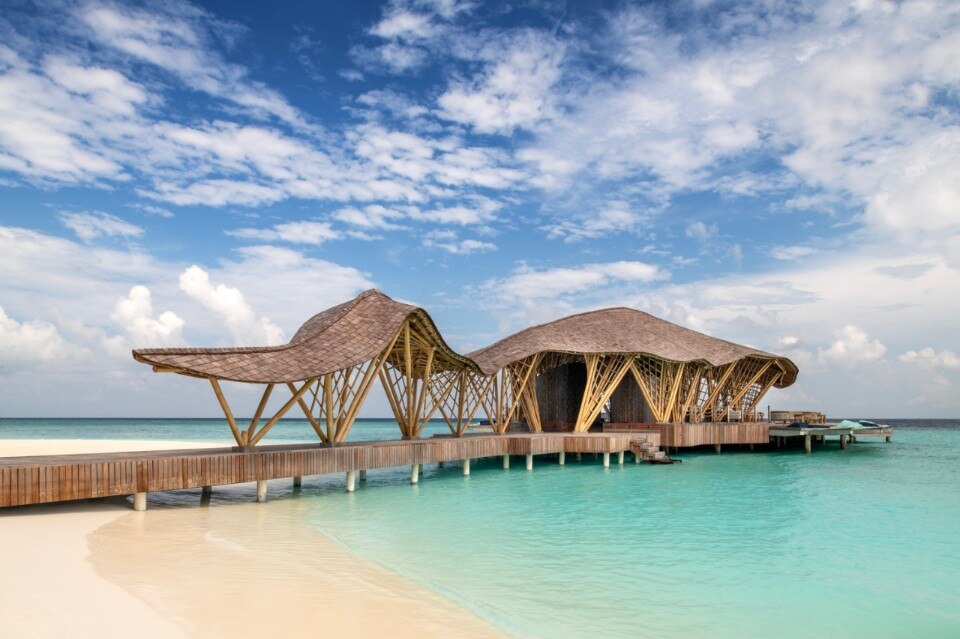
52 478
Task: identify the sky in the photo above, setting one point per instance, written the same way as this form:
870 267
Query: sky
783 175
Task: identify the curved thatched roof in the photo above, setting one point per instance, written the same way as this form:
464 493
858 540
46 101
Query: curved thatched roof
621 330
345 335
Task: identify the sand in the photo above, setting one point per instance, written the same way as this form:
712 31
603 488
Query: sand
23 447
192 567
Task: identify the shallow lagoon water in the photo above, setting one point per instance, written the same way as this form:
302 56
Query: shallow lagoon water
854 543
861 542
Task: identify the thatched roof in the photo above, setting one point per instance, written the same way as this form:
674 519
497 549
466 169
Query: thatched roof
345 335
356 331
621 330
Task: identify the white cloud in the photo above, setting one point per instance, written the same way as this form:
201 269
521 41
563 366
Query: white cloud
31 342
844 98
852 346
516 88
700 231
611 220
303 232
90 226
134 315
448 241
373 216
175 38
529 284
930 358
229 304
402 23
793 252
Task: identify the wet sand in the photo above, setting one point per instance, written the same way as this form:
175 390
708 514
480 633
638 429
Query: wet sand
193 566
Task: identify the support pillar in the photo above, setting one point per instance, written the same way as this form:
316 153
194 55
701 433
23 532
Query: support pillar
297 481
363 476
351 481
716 448
806 443
261 490
751 447
506 462
636 457
620 458
563 458
140 501
206 490
466 467
415 473
579 457
606 460
529 462
843 442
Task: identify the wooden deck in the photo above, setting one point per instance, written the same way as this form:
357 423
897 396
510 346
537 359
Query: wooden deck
685 435
45 479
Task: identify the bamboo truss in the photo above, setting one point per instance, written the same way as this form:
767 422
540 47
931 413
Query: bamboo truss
333 360
251 435
511 394
420 379
674 391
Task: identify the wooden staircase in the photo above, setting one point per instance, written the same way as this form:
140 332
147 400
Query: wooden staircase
648 452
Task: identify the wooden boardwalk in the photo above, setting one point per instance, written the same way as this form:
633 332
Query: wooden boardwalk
45 479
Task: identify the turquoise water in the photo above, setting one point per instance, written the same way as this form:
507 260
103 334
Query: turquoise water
208 430
857 543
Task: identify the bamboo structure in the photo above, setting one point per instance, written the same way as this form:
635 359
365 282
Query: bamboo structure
334 360
681 375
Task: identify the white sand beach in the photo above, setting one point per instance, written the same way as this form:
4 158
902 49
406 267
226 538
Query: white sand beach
97 568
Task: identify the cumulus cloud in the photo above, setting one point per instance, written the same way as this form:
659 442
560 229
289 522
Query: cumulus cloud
228 303
90 226
31 342
852 346
930 358
134 315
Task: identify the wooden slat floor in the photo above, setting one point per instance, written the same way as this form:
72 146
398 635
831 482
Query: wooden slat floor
52 478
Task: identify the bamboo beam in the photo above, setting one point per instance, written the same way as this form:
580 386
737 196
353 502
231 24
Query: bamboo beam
616 367
372 372
226 411
283 411
642 383
712 397
257 415
692 391
743 390
670 407
423 390
309 413
408 372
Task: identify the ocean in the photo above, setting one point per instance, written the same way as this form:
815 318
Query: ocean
860 542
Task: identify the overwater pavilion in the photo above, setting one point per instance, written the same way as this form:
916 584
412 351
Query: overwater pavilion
560 376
